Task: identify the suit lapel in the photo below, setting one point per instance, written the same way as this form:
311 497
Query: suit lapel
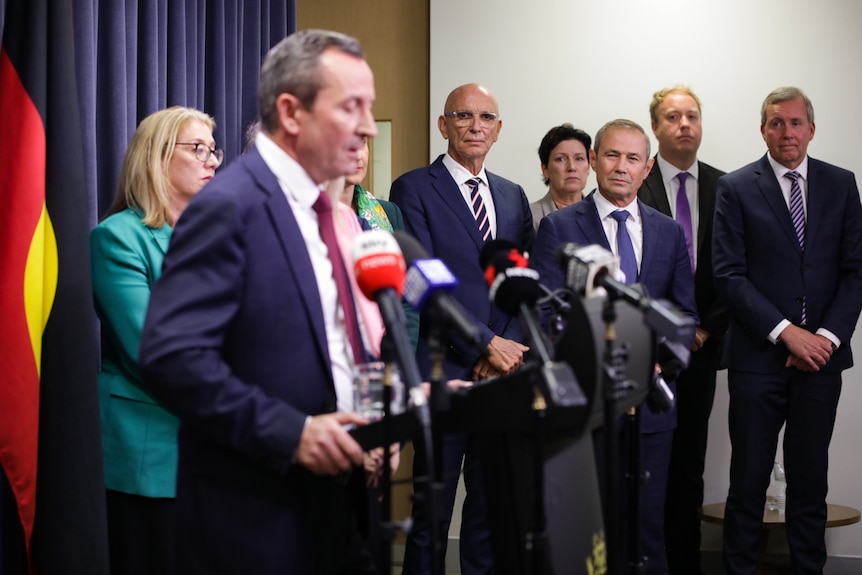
706 206
293 248
816 200
450 192
771 191
654 187
502 208
650 230
162 237
590 223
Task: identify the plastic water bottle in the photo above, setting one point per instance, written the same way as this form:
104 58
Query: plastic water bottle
780 487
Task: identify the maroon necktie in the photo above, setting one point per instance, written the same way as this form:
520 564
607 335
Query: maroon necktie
323 207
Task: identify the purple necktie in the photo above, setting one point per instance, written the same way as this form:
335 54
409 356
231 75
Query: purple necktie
479 211
625 249
325 222
797 214
683 216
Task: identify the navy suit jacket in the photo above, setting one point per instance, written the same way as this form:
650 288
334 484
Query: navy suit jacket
711 309
234 344
763 273
437 215
665 270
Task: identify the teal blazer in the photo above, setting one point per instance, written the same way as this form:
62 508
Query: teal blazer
139 437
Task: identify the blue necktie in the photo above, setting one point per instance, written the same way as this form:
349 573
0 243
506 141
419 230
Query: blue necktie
479 211
628 261
683 216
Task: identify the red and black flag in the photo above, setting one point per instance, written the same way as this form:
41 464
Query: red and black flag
50 448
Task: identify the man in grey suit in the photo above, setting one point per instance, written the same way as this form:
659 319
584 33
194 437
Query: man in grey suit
682 187
620 159
787 251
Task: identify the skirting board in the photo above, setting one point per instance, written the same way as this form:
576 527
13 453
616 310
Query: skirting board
711 561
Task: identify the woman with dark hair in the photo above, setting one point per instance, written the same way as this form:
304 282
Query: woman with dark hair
565 159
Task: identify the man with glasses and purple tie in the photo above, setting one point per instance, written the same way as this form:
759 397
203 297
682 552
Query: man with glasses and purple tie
682 187
652 251
453 207
787 251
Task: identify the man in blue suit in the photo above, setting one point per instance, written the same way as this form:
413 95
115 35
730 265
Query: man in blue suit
245 338
787 253
621 160
452 207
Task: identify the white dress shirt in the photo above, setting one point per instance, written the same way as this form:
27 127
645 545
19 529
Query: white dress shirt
301 193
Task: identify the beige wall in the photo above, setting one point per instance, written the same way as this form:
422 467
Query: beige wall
395 37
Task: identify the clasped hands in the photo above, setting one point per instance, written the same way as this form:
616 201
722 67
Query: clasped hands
808 351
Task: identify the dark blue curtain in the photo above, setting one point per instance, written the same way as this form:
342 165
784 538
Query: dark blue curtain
134 57
131 58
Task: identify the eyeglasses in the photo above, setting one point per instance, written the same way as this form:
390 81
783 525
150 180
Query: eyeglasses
466 117
203 152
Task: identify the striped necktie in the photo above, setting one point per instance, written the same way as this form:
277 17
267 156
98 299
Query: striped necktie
479 211
797 214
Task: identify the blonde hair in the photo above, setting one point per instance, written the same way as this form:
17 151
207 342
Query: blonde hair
659 96
144 179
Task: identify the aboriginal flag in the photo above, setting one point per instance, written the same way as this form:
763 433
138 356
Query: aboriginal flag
50 446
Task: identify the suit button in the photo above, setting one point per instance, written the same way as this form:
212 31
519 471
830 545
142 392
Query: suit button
799 300
329 407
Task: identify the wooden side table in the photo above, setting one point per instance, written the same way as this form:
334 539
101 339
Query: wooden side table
836 516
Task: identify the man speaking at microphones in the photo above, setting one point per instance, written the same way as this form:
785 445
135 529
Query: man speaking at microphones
652 251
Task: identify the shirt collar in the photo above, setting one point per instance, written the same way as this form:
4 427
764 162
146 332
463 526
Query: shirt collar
291 176
780 170
605 208
461 174
669 171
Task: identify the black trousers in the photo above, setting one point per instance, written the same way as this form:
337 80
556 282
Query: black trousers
141 534
695 393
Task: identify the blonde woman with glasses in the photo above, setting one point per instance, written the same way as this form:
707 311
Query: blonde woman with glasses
171 156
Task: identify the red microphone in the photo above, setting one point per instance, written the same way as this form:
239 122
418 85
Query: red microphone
379 267
378 263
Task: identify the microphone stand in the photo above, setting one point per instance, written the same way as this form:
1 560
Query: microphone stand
440 403
387 526
613 382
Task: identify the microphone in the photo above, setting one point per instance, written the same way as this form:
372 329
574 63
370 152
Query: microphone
507 268
515 289
586 266
429 283
590 268
379 267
